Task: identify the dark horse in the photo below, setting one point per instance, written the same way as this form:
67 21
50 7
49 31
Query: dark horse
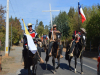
78 52
55 52
30 59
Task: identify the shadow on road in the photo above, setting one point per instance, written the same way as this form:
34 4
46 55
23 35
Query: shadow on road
41 70
43 66
23 72
65 66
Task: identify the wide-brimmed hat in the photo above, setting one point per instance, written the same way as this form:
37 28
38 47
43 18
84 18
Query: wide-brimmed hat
83 30
54 25
30 24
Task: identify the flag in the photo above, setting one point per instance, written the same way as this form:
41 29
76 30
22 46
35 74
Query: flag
80 11
32 47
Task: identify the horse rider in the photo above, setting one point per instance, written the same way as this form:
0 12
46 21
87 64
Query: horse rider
44 38
51 41
76 36
34 35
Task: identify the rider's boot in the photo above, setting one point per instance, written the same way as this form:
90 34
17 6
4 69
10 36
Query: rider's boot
41 60
61 56
50 54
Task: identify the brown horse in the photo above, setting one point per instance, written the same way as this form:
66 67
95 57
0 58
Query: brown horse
55 53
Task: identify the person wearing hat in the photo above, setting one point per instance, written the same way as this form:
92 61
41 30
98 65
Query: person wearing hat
77 36
52 41
34 35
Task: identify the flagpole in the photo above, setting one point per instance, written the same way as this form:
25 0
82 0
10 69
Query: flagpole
78 15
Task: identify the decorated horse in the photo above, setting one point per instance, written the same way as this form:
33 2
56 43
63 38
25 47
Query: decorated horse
55 52
31 52
30 59
77 52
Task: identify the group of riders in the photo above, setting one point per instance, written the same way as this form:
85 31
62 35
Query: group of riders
52 38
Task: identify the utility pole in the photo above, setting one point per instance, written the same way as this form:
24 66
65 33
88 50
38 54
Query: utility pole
11 35
51 16
7 30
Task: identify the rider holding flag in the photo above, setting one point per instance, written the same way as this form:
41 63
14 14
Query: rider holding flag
33 35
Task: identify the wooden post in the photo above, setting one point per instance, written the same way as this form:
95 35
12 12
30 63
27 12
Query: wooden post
0 62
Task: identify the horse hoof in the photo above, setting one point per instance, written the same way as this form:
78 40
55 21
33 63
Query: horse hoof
82 73
54 72
75 70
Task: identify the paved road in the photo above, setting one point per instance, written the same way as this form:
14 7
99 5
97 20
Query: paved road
89 67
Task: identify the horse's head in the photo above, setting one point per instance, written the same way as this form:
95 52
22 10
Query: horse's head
83 40
58 36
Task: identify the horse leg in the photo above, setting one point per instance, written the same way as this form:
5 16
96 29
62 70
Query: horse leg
69 61
29 72
53 62
46 65
75 63
33 69
81 61
58 63
47 58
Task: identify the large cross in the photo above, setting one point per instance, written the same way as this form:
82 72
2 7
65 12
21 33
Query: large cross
51 16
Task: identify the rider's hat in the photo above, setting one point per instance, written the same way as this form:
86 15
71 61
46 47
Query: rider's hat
83 30
54 25
29 24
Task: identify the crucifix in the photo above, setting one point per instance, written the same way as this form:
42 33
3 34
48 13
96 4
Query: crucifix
51 16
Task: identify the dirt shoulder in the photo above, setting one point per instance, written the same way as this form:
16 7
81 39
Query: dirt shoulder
11 63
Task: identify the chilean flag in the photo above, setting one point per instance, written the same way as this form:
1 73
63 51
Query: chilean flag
80 11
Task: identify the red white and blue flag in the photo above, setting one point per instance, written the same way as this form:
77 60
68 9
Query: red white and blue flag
81 12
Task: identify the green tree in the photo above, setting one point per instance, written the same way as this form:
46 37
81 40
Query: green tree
93 29
41 24
46 30
2 25
62 23
40 30
16 30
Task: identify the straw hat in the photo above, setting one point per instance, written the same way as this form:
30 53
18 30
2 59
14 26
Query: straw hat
54 25
83 30
29 24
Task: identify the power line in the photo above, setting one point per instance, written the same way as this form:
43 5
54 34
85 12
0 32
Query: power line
18 10
12 8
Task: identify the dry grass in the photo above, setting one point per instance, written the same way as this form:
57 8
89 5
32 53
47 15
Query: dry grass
6 61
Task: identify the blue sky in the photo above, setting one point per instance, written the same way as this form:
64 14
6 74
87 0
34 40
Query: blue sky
31 10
